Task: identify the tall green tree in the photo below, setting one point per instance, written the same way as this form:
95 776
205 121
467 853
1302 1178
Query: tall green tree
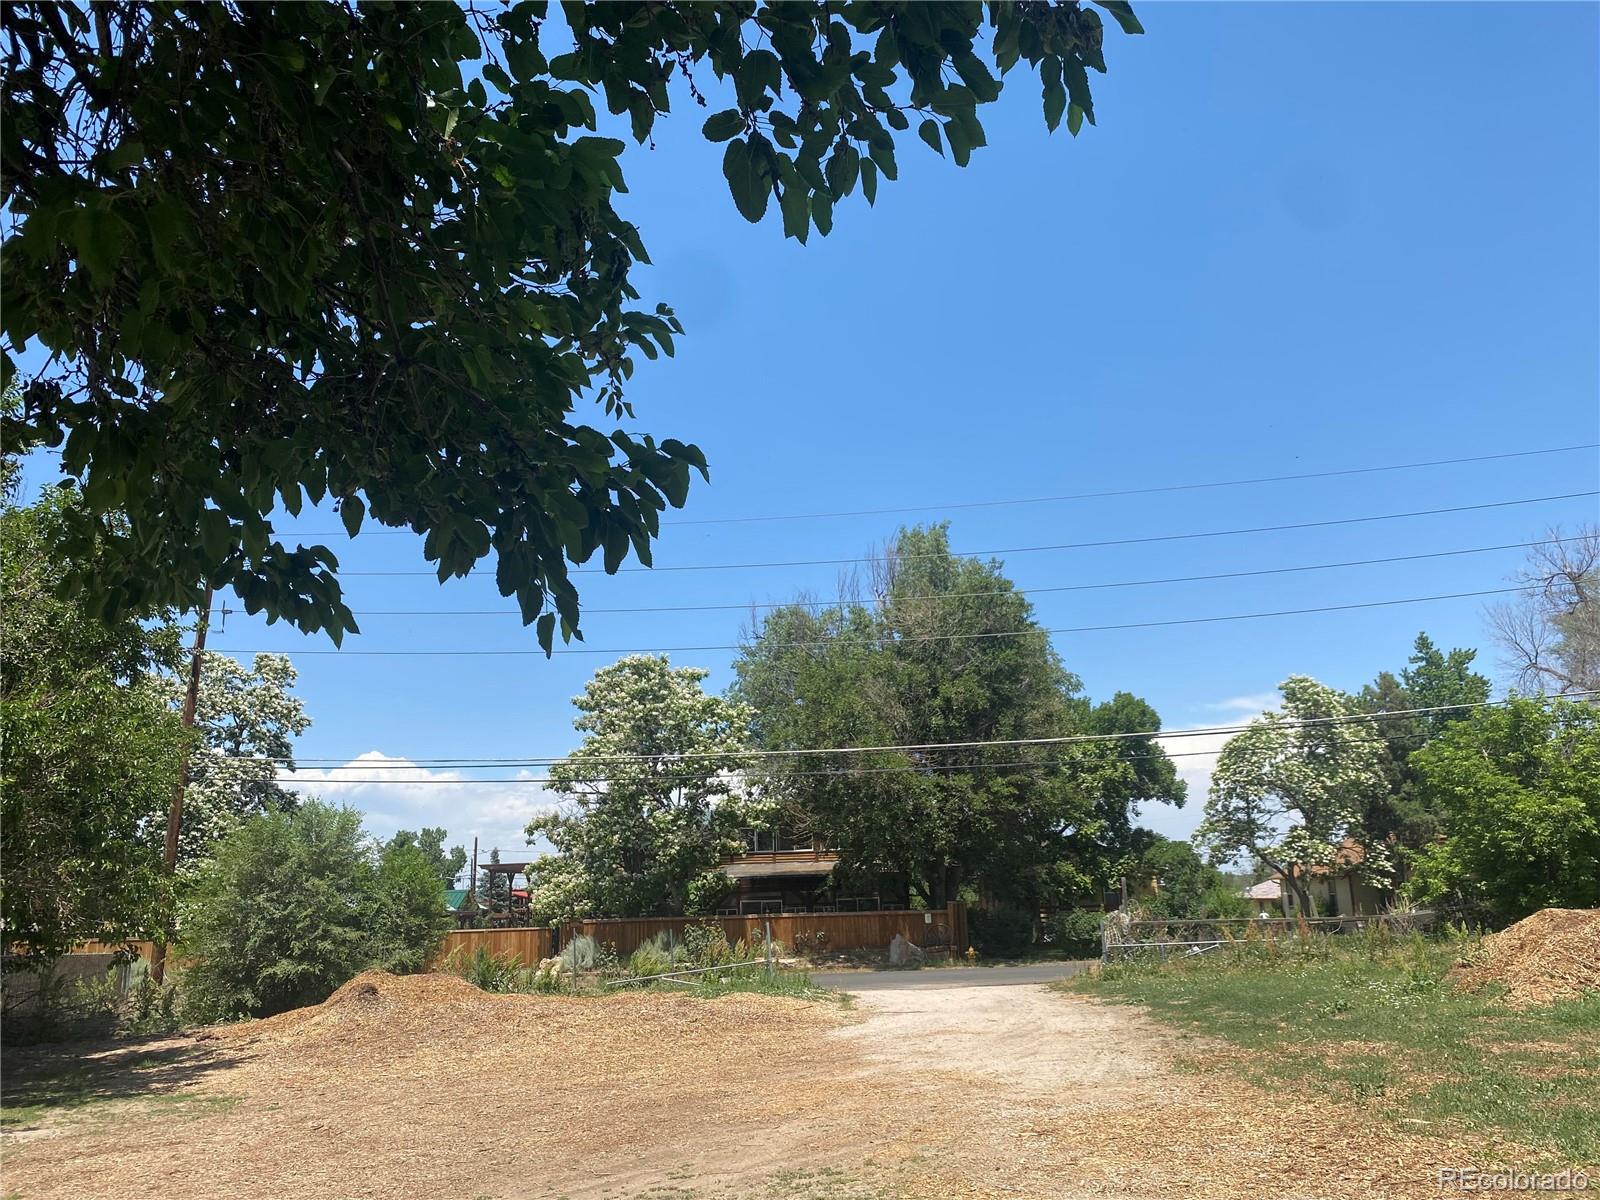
651 799
1432 678
89 751
446 865
948 652
1518 788
278 253
1295 784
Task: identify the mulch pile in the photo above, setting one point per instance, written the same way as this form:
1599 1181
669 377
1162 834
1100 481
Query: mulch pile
1552 955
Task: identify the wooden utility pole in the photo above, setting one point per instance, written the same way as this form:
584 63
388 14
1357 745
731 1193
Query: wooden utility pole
169 857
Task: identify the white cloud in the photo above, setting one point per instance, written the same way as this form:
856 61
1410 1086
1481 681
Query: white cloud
395 793
1255 702
1198 759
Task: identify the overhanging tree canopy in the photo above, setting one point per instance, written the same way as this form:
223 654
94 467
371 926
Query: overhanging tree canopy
283 252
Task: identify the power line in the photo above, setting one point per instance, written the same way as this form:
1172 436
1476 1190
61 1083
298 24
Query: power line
832 771
1135 541
1069 496
924 747
937 637
1037 591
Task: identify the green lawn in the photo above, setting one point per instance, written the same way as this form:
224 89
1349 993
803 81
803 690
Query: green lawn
1374 1023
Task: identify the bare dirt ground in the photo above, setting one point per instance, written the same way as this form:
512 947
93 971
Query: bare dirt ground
424 1087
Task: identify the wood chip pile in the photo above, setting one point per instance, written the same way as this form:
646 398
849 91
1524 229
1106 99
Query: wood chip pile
1552 955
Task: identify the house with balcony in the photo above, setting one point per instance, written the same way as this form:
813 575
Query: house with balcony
783 872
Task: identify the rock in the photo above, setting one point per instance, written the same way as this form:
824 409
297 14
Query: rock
905 954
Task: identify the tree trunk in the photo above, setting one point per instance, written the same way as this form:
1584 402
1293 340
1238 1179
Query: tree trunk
1307 907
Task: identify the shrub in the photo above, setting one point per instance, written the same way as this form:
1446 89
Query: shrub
707 944
580 953
1001 932
489 971
293 904
1075 932
276 919
657 956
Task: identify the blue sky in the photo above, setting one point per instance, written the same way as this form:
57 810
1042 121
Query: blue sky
1302 238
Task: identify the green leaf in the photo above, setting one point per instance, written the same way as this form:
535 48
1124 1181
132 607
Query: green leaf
1074 119
1055 103
869 181
822 212
796 211
167 223
747 180
843 167
351 512
616 547
1122 12
496 75
960 144
928 131
99 236
757 74
1078 86
545 627
719 127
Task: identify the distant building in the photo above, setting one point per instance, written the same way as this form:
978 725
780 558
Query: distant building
1266 897
1339 890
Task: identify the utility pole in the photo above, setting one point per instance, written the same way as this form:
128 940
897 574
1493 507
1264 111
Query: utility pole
169 857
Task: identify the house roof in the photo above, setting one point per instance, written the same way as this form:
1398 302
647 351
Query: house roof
770 868
454 898
1267 889
1349 855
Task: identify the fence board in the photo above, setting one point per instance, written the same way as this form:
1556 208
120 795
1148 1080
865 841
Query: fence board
530 946
935 928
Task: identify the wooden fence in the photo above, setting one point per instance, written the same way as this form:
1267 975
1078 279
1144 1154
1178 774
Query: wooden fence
530 946
933 929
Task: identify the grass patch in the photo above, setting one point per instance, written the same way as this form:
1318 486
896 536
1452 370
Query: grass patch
1373 1022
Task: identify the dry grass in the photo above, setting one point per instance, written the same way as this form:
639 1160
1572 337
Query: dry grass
425 1087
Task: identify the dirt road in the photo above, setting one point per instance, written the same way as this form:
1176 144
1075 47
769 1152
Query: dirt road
424 1087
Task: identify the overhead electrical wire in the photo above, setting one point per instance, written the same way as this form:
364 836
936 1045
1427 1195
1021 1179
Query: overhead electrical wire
1132 541
1029 591
926 747
1070 496
936 637
832 771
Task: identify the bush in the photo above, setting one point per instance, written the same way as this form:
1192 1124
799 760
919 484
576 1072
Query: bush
1075 932
489 971
659 955
292 905
1000 932
580 953
707 944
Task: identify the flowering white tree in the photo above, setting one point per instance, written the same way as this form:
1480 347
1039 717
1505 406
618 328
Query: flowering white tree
247 720
1292 787
651 795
